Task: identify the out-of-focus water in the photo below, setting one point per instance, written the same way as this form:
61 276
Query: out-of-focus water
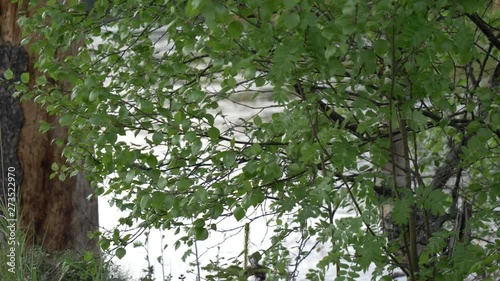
224 243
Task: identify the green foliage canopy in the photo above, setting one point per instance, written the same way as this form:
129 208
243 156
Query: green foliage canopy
349 78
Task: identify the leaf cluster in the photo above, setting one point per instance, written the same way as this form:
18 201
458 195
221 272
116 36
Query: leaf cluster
338 80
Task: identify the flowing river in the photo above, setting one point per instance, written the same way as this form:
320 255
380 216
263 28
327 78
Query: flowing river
225 244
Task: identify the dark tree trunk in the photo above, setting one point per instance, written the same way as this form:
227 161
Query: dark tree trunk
55 215
11 116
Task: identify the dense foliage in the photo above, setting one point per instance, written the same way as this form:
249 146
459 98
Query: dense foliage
387 108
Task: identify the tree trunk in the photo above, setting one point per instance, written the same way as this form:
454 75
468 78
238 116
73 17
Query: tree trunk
56 214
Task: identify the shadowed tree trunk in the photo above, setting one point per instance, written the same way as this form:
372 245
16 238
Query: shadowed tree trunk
55 215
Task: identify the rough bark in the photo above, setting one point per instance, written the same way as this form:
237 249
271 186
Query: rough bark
56 215
11 115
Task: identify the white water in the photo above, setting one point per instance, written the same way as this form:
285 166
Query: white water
226 245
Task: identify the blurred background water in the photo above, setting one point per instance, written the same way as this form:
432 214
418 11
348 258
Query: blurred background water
224 243
227 242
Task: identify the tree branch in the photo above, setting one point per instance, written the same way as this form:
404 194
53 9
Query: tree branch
485 29
334 117
445 171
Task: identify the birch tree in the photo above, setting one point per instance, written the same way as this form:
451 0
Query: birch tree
386 108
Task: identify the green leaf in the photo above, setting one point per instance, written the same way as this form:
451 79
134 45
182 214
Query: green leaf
178 117
94 95
230 82
88 256
201 194
484 134
41 80
436 202
257 120
289 4
162 183
381 47
66 120
234 29
120 253
190 136
96 119
291 20
239 213
44 126
196 147
157 138
330 51
259 82
145 201
213 133
8 74
273 171
257 197
105 243
151 160
229 159
201 233
25 77
184 184
147 107
130 176
199 223
401 212
218 209
193 8
158 199
249 72
470 6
